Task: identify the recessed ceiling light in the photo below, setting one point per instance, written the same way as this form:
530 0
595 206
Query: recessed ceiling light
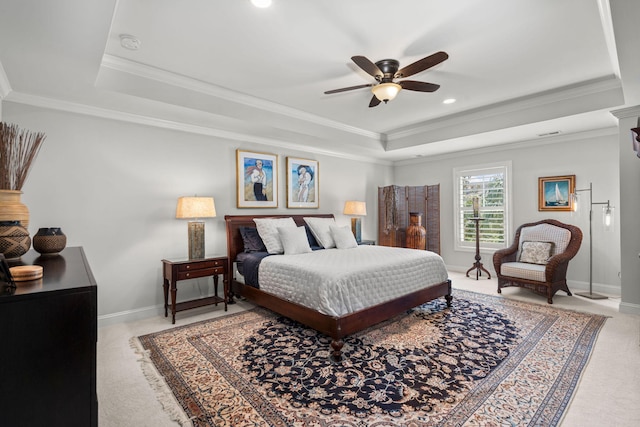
261 3
130 42
449 101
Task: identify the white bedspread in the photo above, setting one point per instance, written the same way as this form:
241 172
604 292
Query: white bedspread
341 281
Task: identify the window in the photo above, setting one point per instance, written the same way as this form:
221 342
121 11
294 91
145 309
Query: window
490 184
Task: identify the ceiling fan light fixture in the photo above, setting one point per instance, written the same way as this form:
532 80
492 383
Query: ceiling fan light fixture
386 91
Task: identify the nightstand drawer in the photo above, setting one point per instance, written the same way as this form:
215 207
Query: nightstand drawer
200 272
194 266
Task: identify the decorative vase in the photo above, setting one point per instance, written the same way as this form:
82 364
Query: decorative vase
14 239
12 209
416 233
49 240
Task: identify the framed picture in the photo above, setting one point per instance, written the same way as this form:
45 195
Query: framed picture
554 193
302 183
257 179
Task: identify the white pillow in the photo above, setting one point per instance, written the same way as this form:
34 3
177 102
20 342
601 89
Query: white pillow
343 236
320 228
268 231
294 240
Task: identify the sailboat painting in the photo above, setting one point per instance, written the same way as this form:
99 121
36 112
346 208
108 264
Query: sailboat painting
554 193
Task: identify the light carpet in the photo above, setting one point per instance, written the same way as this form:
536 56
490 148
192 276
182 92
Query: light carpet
486 361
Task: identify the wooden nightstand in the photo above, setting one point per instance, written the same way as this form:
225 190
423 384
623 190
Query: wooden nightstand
176 270
367 242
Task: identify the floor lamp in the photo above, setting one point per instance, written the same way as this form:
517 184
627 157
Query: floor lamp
607 212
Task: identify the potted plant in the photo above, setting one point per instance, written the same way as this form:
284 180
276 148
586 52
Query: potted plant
18 150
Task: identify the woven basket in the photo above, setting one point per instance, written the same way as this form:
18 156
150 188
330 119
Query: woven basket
49 240
14 239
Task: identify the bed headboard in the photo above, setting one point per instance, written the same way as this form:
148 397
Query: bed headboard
234 239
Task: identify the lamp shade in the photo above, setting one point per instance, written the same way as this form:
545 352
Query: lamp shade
195 207
386 91
353 207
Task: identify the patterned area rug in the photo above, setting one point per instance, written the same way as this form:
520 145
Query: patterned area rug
487 361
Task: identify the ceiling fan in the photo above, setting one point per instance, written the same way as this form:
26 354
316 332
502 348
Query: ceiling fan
386 70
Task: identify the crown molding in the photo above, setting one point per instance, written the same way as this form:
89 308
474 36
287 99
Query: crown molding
177 80
5 86
537 142
538 100
625 113
106 113
609 36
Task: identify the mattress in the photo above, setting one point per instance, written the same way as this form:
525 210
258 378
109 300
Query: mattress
336 282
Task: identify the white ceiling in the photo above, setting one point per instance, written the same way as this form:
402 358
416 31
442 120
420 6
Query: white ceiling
518 68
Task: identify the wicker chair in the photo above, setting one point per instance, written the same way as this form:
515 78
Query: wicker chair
546 277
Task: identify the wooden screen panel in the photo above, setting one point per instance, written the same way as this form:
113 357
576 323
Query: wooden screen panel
391 202
393 215
433 219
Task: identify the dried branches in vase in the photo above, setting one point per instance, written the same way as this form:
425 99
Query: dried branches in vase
18 150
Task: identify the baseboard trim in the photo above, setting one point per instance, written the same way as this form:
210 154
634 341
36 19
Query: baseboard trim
628 308
130 315
598 288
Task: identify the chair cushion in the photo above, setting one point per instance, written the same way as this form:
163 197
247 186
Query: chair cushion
560 237
523 270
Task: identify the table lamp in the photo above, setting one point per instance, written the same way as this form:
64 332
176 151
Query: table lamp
194 208
355 209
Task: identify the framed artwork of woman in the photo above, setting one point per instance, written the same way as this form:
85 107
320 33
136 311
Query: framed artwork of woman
257 179
302 183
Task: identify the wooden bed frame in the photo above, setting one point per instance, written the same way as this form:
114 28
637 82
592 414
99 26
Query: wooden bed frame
335 327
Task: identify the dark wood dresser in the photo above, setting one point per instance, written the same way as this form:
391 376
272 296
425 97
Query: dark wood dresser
48 335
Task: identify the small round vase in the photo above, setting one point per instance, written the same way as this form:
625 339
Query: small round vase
49 241
416 233
14 239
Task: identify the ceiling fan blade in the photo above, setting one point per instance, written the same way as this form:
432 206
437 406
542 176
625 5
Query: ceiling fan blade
344 89
368 66
374 102
419 86
422 64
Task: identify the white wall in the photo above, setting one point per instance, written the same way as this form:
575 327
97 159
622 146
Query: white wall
112 187
629 208
591 158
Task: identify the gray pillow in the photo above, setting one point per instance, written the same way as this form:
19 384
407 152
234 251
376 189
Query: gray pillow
251 240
